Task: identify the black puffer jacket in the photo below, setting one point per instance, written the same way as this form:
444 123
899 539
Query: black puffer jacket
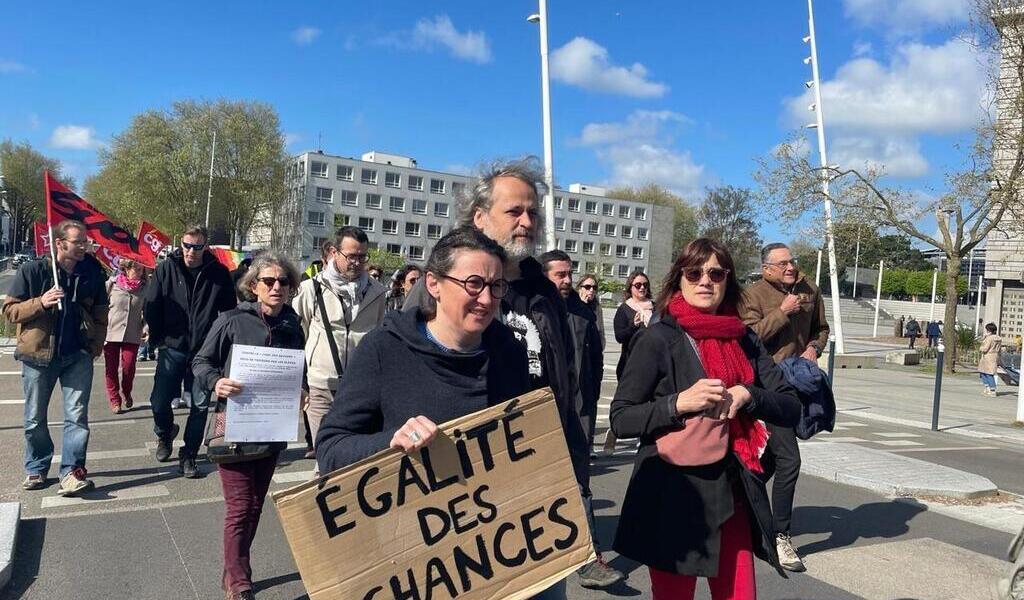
180 316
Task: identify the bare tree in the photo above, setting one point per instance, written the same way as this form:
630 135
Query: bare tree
22 168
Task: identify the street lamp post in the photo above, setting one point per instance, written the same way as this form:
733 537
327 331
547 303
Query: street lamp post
541 18
837 323
856 264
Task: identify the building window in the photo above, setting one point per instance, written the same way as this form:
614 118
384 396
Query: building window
594 228
627 231
369 176
623 212
365 223
345 173
606 249
371 245
591 267
416 183
623 271
392 180
389 226
317 218
641 233
591 207
575 266
558 203
393 249
318 243
324 194
559 224
349 198
577 226
419 206
574 204
609 229
434 232
638 253
606 270
437 186
458 189
415 252
373 201
412 229
441 209
620 251
340 220
588 247
396 204
607 209
318 169
640 214
570 246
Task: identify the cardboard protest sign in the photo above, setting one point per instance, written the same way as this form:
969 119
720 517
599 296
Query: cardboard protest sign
490 509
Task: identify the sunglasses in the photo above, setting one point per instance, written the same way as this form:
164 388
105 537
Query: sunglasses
587 286
189 246
269 281
640 285
695 274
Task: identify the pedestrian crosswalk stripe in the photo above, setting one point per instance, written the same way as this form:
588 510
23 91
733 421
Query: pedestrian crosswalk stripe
896 443
836 438
294 477
898 435
107 454
99 495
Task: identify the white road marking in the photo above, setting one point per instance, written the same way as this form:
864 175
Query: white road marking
854 424
3 402
898 435
108 454
835 438
897 443
93 497
175 444
294 477
946 449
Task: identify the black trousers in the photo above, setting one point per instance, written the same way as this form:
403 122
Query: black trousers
782 460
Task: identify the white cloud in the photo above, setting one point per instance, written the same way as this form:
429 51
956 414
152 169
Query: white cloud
305 36
74 137
10 66
585 63
472 46
641 150
862 48
896 156
907 16
292 138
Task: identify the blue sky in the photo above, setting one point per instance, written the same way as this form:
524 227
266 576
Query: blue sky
686 94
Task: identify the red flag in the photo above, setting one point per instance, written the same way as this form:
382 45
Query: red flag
42 243
151 242
62 203
108 259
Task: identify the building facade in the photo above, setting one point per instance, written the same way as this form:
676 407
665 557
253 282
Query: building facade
405 209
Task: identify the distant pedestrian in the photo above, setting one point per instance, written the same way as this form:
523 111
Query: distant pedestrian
587 289
264 319
401 284
125 331
61 329
375 272
933 331
633 315
697 384
988 366
912 330
897 327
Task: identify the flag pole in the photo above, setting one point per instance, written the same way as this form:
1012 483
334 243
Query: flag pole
53 244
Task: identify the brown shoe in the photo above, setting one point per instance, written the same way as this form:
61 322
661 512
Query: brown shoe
127 403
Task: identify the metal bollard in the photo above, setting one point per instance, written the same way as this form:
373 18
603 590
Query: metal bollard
938 386
831 358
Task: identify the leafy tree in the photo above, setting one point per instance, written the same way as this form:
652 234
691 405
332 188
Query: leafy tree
919 284
894 282
728 215
22 167
806 255
684 220
388 261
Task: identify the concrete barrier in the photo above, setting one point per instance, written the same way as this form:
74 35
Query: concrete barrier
903 357
10 516
849 361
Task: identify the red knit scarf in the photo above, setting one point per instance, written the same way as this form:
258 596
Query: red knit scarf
717 336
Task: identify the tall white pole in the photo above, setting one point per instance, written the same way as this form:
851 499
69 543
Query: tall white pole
549 168
209 189
878 295
817 271
970 275
935 279
856 265
977 307
1020 392
837 320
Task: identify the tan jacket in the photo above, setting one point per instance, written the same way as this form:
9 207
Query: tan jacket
991 344
125 322
785 335
320 370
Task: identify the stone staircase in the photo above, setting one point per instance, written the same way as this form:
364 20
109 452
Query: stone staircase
859 311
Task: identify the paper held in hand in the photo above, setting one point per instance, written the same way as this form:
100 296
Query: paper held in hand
489 510
267 408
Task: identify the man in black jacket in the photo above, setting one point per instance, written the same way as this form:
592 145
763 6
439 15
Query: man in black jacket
182 300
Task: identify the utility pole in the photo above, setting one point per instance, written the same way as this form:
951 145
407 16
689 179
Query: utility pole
209 189
545 86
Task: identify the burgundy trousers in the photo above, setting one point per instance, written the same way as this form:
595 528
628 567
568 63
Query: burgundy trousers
118 354
245 486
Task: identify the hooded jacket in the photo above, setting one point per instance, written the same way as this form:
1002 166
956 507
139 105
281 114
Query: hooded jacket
179 316
84 291
396 373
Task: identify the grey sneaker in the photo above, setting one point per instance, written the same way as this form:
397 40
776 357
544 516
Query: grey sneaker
74 483
177 403
163 445
598 575
788 557
34 481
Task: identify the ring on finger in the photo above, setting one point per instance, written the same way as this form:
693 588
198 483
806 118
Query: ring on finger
415 437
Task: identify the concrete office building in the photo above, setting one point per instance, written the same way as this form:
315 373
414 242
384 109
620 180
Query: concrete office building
405 209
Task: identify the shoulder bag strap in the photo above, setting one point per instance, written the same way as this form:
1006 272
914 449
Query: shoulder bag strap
319 293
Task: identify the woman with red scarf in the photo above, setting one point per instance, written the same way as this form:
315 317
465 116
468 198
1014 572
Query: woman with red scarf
124 332
695 389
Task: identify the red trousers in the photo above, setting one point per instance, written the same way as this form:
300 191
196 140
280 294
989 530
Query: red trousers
117 354
735 580
245 486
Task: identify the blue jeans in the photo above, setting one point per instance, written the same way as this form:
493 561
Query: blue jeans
172 367
75 375
988 380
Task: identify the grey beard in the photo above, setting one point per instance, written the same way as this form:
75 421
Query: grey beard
519 251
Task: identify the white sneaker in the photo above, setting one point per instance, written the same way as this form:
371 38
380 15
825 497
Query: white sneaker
177 403
788 557
74 483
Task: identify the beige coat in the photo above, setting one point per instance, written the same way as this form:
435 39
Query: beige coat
991 344
125 325
785 335
320 370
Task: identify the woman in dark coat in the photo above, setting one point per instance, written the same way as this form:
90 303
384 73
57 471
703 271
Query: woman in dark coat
632 315
695 505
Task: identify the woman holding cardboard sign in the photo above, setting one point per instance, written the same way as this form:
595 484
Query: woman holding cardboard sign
695 385
266 320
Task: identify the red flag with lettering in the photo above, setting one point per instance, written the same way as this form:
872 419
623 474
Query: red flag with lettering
42 243
62 203
151 242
